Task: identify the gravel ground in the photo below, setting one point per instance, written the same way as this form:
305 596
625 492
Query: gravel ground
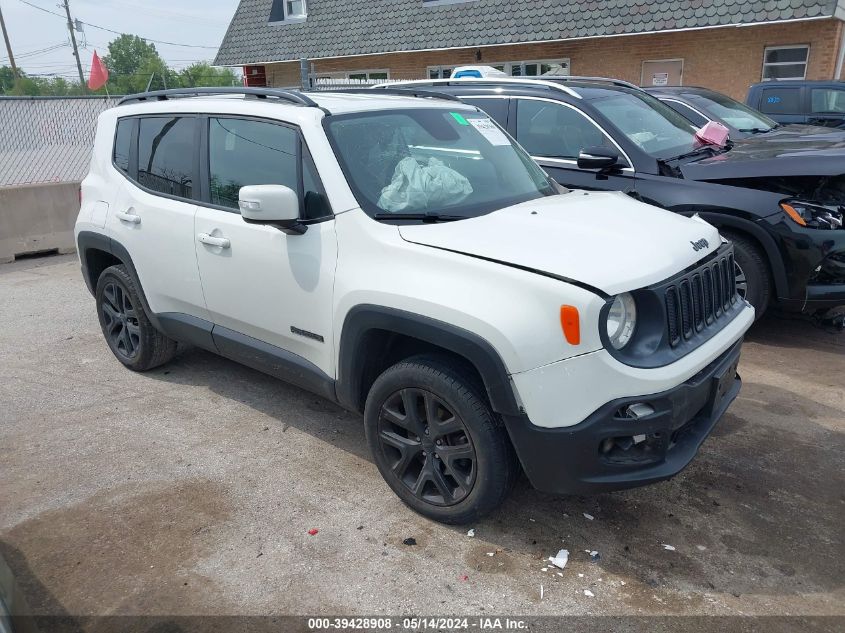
191 490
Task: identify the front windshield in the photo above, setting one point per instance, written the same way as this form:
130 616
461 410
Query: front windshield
734 113
433 161
648 123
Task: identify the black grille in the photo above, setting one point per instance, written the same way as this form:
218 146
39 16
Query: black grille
696 300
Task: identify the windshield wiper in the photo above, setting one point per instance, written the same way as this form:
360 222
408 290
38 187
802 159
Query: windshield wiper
425 217
709 148
756 130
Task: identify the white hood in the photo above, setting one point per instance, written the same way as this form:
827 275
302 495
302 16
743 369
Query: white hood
606 240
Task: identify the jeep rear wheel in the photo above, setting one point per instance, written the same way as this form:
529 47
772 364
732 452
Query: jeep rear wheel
131 337
436 442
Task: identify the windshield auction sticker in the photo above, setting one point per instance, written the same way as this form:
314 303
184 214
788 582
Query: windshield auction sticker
490 131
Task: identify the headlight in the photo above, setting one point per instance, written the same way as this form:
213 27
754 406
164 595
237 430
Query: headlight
814 216
621 320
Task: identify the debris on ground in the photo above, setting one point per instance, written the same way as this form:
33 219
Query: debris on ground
541 592
471 533
463 578
410 541
544 569
313 531
561 559
589 517
594 555
589 593
360 527
670 548
701 548
491 553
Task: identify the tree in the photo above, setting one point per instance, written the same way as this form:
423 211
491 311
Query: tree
7 80
203 74
131 62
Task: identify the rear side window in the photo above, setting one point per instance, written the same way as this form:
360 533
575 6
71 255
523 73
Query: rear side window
243 152
496 108
781 101
166 152
828 100
122 144
688 112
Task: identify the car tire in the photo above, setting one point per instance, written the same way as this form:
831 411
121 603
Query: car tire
451 417
754 282
126 327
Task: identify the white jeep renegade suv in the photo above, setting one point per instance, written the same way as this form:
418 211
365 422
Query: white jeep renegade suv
403 257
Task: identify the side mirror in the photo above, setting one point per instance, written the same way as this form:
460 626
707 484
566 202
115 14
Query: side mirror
601 158
275 205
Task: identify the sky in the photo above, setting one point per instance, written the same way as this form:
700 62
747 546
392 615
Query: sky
33 33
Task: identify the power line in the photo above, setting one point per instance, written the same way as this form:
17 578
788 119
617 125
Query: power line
103 28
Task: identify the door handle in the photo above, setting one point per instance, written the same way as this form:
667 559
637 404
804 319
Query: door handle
219 242
128 217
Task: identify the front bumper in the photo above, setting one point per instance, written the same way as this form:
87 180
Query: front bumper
815 267
610 451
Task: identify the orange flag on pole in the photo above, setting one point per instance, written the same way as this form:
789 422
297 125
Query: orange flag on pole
99 73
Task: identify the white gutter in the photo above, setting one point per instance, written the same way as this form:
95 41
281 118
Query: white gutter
840 6
840 13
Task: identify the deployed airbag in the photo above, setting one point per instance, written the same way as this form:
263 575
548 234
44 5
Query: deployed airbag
417 187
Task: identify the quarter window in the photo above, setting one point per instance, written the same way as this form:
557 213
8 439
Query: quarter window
555 131
122 144
243 152
827 100
785 62
166 151
496 108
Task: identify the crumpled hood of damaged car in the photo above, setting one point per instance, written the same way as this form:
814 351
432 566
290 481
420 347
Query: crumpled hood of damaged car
606 240
775 154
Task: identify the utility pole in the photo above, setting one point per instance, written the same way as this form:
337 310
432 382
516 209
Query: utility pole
8 47
75 49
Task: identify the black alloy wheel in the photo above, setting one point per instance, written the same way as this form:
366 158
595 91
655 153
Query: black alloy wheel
436 440
130 334
120 321
428 447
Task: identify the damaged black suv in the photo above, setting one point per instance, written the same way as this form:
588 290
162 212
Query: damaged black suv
779 196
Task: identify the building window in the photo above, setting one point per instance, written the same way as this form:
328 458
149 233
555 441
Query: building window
785 62
288 11
353 77
533 68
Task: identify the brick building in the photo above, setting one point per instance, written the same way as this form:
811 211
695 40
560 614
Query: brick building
722 44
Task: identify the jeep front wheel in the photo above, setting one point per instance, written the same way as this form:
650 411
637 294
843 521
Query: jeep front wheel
436 442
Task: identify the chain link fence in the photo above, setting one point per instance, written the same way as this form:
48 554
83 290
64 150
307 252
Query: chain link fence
47 139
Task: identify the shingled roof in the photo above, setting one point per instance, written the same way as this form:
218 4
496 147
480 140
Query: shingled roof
337 28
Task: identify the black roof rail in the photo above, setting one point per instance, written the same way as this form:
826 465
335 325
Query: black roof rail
410 91
291 96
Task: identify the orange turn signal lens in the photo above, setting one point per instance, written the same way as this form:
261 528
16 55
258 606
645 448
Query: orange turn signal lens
571 324
792 213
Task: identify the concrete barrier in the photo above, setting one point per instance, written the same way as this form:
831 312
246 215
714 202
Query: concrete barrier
37 218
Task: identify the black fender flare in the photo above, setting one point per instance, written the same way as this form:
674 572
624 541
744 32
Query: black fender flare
476 350
89 240
773 255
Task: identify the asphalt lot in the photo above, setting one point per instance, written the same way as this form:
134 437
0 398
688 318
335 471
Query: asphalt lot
191 490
